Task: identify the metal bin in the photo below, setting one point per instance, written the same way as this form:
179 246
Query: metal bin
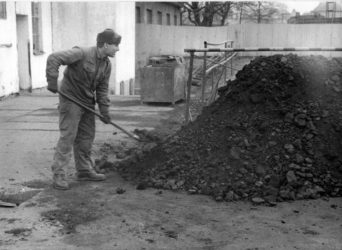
163 80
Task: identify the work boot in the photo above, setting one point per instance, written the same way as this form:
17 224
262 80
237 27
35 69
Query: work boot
59 182
90 176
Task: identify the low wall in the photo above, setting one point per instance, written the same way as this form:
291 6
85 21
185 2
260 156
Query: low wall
154 40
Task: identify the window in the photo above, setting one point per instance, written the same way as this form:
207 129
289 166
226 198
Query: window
137 15
160 17
168 19
149 16
3 12
175 20
37 28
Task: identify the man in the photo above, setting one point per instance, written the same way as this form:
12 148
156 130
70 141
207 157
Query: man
86 80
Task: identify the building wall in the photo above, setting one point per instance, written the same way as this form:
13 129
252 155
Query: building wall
162 7
155 40
9 62
38 62
125 58
9 79
78 23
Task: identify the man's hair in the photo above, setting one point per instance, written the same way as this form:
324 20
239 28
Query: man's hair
107 36
99 44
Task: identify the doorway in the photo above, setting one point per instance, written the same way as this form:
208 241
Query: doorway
23 46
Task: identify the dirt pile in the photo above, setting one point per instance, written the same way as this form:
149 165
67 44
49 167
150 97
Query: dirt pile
275 133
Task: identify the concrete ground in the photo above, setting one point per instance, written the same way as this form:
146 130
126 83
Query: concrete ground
97 216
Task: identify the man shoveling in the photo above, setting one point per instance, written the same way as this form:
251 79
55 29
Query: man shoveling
86 80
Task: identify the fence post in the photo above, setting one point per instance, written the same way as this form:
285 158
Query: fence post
225 65
231 61
187 108
204 72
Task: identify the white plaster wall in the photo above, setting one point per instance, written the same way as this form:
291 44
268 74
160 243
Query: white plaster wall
125 63
78 23
23 8
23 37
154 40
38 62
68 25
288 35
9 79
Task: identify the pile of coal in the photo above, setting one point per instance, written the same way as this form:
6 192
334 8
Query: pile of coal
274 134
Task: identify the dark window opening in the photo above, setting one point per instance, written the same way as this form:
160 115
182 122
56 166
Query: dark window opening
137 15
37 39
160 17
168 19
3 11
149 16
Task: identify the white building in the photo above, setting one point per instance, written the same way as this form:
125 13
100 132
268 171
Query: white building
329 9
23 52
30 31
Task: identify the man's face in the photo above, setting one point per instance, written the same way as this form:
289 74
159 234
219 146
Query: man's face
111 49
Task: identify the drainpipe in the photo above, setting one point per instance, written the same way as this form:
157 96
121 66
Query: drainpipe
51 17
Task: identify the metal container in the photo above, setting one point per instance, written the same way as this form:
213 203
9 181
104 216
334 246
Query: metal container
163 80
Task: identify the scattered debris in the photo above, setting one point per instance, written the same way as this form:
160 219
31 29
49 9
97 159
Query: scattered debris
159 192
257 200
120 190
141 186
171 234
19 231
147 136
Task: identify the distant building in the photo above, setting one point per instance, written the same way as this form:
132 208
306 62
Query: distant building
329 9
307 18
160 13
325 12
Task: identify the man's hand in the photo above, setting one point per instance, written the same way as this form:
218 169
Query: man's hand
105 119
52 85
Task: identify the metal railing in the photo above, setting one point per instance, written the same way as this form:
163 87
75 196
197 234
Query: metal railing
234 50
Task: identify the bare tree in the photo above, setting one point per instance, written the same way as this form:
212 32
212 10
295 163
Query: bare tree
242 8
204 13
263 11
211 13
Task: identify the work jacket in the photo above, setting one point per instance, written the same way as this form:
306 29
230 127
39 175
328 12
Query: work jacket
85 78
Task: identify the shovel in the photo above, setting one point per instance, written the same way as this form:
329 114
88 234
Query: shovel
99 115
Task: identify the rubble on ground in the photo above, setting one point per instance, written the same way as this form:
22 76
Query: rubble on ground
274 134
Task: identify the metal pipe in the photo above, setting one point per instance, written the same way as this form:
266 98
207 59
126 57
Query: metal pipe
220 63
187 108
225 68
218 44
204 72
261 49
